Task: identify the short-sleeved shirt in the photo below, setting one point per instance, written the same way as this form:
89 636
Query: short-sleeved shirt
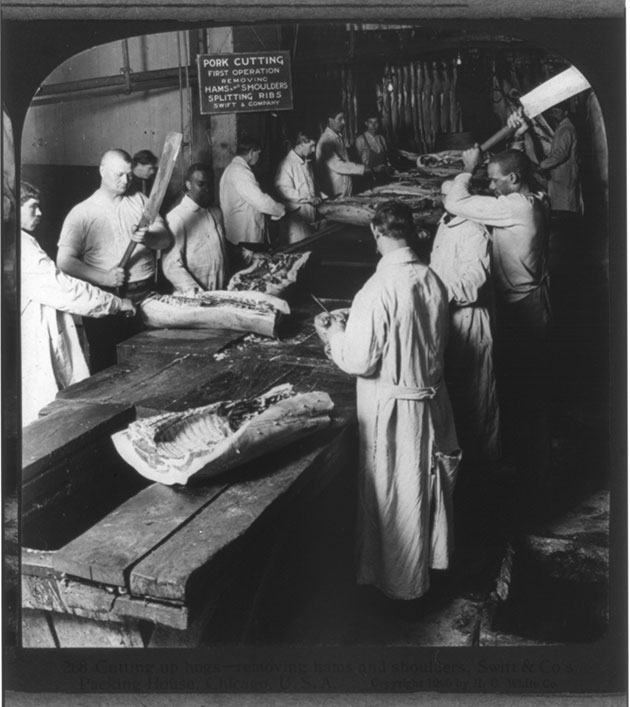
98 231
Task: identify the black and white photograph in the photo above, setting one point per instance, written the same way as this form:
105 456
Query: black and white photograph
313 353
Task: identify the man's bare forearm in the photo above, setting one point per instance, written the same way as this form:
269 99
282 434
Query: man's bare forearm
71 265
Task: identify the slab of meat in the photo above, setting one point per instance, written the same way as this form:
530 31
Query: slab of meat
404 188
218 309
441 164
198 444
272 274
360 209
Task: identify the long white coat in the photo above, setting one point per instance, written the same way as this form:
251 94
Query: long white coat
461 258
52 357
394 343
244 204
295 184
334 169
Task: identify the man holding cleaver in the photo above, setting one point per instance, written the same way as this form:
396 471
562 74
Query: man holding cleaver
95 235
518 216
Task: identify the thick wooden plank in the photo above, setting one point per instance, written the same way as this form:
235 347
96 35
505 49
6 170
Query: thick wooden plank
105 552
256 369
156 386
164 636
42 593
73 495
44 589
175 343
171 616
37 563
269 486
95 602
72 474
66 596
110 385
56 437
239 377
84 467
78 632
36 630
171 389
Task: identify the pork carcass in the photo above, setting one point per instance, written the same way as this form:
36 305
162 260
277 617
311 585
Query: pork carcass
254 312
201 443
272 274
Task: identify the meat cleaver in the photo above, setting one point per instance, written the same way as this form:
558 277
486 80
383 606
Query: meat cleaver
557 89
170 151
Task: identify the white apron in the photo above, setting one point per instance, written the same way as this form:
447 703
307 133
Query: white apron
394 343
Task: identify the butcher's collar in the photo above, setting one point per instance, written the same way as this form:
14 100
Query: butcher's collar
299 158
395 257
335 133
190 204
453 221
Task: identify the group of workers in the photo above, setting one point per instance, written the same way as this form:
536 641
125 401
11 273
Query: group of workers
198 243
418 337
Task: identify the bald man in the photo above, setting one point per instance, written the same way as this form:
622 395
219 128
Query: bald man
93 239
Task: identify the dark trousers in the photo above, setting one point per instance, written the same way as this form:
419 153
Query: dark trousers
106 333
524 373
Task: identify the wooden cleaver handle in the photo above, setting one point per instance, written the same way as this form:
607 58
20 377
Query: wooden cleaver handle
127 254
499 136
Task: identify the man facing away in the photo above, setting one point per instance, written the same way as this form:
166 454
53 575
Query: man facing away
519 217
334 168
461 258
198 258
243 203
394 343
94 237
296 185
52 357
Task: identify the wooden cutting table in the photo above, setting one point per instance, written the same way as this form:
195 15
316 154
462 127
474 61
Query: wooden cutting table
111 560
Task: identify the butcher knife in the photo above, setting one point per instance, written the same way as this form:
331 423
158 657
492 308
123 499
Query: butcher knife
170 151
557 89
320 304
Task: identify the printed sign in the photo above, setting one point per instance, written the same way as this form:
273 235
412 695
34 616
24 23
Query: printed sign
245 83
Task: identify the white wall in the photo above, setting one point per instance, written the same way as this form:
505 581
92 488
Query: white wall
77 132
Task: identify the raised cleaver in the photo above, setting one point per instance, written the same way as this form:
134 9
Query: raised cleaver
557 89
170 151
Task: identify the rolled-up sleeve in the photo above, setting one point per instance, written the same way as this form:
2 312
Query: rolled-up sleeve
489 210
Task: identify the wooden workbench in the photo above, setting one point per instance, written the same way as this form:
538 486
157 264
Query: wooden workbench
110 560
